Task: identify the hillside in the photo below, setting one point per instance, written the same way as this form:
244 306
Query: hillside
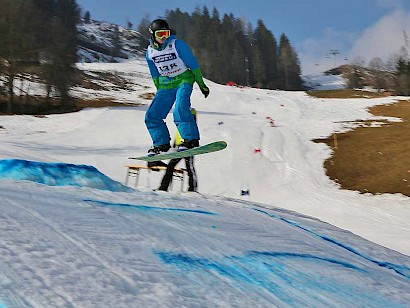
96 45
95 42
369 77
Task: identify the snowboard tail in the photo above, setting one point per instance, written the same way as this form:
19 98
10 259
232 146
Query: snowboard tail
207 148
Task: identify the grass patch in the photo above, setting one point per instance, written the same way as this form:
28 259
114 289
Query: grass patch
38 106
346 93
374 159
107 81
101 102
95 80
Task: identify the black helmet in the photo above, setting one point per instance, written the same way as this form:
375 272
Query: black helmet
158 24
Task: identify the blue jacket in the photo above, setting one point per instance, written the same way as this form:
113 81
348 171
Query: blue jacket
193 74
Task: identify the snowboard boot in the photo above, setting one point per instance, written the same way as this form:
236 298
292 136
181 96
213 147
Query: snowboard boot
188 144
158 149
153 164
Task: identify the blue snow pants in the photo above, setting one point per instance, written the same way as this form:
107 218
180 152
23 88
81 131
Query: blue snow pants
183 118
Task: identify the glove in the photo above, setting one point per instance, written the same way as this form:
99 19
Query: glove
205 91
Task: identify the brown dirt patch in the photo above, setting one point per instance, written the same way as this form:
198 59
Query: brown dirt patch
374 159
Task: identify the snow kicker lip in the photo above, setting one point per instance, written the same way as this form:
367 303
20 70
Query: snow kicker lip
59 174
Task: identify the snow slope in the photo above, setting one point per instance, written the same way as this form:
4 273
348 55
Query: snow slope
81 247
324 82
74 236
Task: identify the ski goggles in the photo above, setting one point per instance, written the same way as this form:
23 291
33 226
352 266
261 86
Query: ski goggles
162 33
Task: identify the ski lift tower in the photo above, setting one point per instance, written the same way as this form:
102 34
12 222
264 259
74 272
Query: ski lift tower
334 53
247 71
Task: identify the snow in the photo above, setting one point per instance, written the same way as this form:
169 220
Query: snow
324 82
132 71
73 235
101 34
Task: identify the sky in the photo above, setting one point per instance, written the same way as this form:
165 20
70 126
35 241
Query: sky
358 30
72 235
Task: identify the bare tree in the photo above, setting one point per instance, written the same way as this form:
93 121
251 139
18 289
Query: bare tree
18 45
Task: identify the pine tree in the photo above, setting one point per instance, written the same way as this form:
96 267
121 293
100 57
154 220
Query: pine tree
46 10
212 45
87 17
249 54
63 49
258 69
403 77
354 80
267 47
116 42
238 64
288 66
196 33
144 33
179 22
226 42
199 38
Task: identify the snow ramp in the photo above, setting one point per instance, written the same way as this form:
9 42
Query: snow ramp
58 174
91 248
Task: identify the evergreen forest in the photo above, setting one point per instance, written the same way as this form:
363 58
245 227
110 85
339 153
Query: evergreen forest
230 50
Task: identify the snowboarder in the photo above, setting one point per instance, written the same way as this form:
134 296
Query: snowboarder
174 70
189 162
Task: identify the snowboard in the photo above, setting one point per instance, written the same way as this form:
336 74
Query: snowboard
207 148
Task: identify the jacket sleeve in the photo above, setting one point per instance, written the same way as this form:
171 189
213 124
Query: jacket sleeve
190 61
153 70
